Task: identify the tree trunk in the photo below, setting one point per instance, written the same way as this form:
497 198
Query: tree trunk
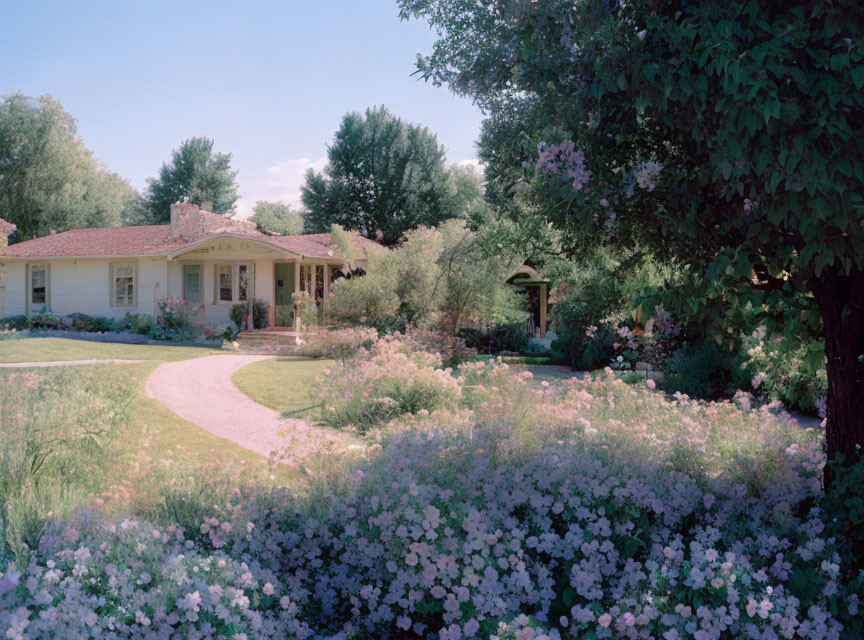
841 305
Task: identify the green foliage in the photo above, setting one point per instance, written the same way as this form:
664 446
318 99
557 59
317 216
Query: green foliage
278 218
699 371
237 314
140 323
260 313
722 134
49 180
384 177
438 275
196 172
18 323
51 429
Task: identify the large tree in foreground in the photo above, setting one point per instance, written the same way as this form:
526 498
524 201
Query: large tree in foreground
196 172
49 181
725 134
384 177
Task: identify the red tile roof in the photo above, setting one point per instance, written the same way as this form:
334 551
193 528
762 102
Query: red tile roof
157 240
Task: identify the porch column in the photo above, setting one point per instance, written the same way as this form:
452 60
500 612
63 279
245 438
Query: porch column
543 299
297 289
325 303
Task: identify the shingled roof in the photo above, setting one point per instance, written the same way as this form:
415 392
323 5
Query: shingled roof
190 226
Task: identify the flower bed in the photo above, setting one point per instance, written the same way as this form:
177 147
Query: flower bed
580 509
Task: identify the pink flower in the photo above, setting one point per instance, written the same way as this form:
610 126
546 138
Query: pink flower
605 620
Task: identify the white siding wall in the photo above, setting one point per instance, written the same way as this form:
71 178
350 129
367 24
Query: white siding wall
83 286
14 300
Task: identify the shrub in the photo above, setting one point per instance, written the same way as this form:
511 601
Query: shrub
84 323
238 315
260 314
785 369
178 319
393 380
699 371
339 344
14 323
44 320
140 323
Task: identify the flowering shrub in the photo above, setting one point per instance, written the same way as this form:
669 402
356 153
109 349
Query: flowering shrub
178 318
784 369
364 392
339 343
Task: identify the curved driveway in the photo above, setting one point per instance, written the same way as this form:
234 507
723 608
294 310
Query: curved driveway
200 391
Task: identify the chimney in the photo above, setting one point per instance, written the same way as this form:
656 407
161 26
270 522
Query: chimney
181 212
6 230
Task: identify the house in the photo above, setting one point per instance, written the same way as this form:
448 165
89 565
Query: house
200 257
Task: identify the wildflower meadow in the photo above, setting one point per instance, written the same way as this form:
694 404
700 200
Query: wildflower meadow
486 504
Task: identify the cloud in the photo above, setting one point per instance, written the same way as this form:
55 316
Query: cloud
281 182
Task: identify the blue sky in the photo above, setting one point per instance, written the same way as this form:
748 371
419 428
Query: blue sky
268 80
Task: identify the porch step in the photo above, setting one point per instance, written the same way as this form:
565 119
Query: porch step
268 339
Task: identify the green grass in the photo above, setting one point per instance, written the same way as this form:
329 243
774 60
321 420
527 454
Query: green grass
285 384
71 436
50 349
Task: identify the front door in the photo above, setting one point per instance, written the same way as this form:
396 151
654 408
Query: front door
284 273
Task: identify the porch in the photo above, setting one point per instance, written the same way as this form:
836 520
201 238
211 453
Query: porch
225 272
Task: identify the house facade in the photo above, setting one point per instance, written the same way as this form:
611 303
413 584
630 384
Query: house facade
199 257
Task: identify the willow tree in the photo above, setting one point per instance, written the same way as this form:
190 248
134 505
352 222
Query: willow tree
726 134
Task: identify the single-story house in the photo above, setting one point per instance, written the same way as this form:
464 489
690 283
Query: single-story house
200 257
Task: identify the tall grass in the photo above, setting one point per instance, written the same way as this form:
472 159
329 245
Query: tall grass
57 429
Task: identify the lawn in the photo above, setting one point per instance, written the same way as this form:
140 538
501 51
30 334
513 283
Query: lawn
51 349
78 436
285 384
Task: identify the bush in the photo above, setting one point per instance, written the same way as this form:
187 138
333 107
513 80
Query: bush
83 323
700 371
260 314
393 380
140 323
785 369
339 344
238 314
14 323
44 320
178 319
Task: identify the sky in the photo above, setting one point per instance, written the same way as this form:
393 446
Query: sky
268 80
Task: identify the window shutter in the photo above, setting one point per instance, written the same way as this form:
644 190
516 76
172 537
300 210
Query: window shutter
112 299
135 286
48 285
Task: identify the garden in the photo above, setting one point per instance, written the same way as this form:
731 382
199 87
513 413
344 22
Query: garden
484 504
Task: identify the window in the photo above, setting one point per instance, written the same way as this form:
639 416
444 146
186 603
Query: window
225 283
123 281
192 282
38 286
231 283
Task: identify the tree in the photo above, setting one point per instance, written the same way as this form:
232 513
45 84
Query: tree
384 176
723 134
49 181
278 218
438 275
195 172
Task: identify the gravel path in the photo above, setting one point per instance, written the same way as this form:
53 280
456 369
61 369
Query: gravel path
64 363
201 392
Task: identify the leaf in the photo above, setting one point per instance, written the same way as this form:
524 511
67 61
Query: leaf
858 76
839 61
622 81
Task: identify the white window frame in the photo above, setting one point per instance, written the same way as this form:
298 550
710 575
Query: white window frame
235 282
35 307
113 301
